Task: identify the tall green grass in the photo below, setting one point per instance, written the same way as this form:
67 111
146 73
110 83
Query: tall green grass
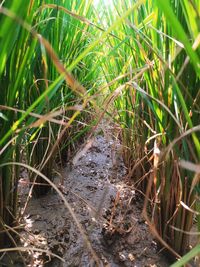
40 99
156 60
11 79
156 52
137 60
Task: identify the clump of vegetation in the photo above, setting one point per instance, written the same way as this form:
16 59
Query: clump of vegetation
66 63
40 98
155 55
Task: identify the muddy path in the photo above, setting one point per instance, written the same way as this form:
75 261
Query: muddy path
108 210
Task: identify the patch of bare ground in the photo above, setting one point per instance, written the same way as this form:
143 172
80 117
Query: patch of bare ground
108 210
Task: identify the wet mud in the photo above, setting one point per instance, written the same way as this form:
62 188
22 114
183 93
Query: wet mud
108 210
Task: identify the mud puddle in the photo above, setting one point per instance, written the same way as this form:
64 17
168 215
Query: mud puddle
108 210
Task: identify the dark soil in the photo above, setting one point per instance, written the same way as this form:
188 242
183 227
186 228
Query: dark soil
108 210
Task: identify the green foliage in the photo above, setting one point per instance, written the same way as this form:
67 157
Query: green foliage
37 106
137 61
186 258
155 54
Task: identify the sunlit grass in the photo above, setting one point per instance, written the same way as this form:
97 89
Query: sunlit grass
64 64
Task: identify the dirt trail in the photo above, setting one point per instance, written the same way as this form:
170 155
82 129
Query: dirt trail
108 210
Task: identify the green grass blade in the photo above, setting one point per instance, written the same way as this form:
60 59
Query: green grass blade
180 33
186 258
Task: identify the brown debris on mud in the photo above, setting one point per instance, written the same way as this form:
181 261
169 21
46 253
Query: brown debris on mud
108 210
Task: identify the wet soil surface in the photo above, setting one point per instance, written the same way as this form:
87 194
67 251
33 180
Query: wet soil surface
108 210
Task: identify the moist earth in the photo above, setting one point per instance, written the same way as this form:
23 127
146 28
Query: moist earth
108 210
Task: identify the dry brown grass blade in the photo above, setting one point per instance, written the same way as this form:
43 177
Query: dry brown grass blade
81 18
50 116
189 209
190 166
74 84
192 233
43 118
30 6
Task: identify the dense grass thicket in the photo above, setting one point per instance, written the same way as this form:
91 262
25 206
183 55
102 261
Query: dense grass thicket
66 63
